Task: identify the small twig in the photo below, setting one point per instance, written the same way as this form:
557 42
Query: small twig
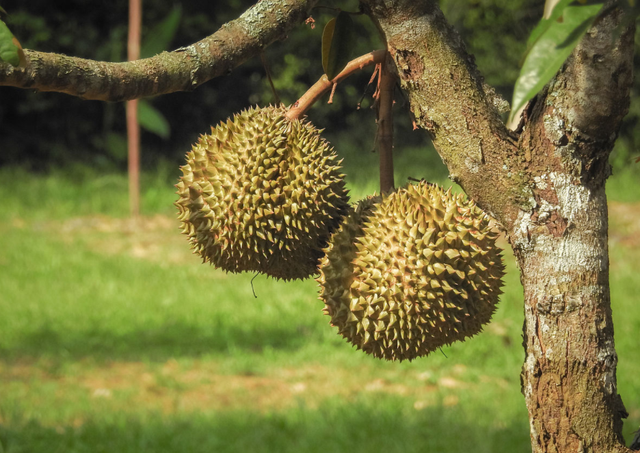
333 91
364 92
376 93
268 71
253 290
311 22
324 84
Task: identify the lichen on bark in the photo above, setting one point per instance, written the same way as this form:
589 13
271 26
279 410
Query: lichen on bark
181 70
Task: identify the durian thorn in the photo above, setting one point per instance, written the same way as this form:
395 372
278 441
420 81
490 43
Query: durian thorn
324 84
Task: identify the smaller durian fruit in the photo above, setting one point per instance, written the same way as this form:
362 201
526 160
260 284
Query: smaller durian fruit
411 272
262 193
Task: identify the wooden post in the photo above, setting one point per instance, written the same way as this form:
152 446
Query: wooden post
133 128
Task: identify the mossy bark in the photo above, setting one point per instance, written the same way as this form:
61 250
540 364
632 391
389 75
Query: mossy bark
181 70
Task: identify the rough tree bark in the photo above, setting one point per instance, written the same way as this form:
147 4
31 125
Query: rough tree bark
544 182
181 70
561 246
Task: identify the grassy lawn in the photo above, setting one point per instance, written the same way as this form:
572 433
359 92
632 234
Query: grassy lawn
115 338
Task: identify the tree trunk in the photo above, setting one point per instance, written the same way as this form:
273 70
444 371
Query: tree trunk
545 184
569 375
133 126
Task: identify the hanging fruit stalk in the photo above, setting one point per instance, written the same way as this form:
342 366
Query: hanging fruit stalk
257 211
386 84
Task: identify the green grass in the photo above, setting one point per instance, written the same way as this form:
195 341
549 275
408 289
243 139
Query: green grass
624 185
359 425
113 337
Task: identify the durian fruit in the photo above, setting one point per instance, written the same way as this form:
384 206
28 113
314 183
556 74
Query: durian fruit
411 272
262 193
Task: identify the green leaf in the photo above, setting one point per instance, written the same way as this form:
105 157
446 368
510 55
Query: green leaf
160 36
336 44
545 23
9 51
152 120
551 43
327 36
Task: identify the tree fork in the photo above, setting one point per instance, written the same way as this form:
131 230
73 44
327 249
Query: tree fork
569 375
547 190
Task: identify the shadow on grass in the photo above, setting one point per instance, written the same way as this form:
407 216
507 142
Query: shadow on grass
377 424
158 343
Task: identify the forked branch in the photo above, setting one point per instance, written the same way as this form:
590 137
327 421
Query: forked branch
324 84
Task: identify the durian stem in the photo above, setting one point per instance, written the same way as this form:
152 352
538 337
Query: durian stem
386 85
323 84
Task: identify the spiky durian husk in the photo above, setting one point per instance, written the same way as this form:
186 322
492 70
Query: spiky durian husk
406 275
262 193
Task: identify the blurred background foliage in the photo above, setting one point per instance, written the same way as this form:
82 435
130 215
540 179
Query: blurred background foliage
41 131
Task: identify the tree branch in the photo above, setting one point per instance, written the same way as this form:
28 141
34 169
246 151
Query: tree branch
581 111
449 100
181 70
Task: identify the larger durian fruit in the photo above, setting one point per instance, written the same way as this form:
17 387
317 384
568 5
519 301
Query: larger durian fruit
409 273
262 193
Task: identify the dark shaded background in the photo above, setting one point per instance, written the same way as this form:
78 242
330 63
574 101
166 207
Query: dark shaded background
40 131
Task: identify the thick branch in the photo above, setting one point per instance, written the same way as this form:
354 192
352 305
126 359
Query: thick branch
449 99
181 70
580 113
